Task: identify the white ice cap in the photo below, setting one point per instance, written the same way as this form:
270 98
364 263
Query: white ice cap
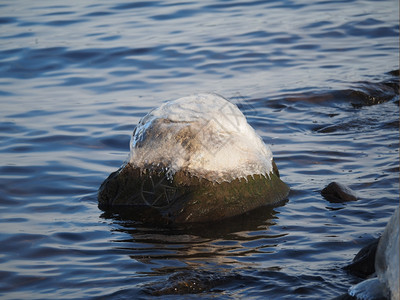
203 134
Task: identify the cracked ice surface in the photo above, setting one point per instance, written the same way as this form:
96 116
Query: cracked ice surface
203 134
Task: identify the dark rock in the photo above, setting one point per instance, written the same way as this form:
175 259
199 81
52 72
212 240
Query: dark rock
190 282
150 196
194 159
345 297
363 264
336 192
375 93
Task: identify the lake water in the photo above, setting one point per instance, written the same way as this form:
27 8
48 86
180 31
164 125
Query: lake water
314 80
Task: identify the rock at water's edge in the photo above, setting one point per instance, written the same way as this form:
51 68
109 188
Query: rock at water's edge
363 264
194 159
151 196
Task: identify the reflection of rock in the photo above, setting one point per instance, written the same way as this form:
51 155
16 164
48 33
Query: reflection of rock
337 192
196 258
195 159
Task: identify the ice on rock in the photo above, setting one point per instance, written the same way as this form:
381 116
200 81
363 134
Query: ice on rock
370 289
203 134
204 146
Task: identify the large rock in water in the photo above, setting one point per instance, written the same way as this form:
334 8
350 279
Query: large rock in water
195 159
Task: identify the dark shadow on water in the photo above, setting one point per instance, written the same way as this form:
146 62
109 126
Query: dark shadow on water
250 221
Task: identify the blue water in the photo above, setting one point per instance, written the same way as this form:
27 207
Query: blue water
75 78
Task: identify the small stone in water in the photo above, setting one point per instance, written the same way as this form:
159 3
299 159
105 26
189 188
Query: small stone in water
337 192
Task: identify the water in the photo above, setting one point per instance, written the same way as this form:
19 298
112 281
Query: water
75 78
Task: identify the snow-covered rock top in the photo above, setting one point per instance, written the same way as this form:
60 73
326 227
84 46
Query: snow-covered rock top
203 134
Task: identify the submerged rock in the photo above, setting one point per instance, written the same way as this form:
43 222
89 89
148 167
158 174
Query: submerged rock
195 159
190 282
372 93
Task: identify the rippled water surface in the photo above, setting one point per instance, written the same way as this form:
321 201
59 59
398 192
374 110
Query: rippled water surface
315 80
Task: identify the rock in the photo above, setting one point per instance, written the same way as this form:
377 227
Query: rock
190 282
186 198
345 297
370 289
337 193
373 93
195 159
385 285
387 258
363 264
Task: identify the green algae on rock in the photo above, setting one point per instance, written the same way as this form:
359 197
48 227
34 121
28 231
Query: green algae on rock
195 159
187 198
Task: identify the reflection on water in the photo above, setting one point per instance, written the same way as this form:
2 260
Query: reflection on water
200 257
315 82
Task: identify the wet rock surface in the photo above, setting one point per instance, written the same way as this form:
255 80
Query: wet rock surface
369 93
152 197
190 282
363 264
337 192
345 297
